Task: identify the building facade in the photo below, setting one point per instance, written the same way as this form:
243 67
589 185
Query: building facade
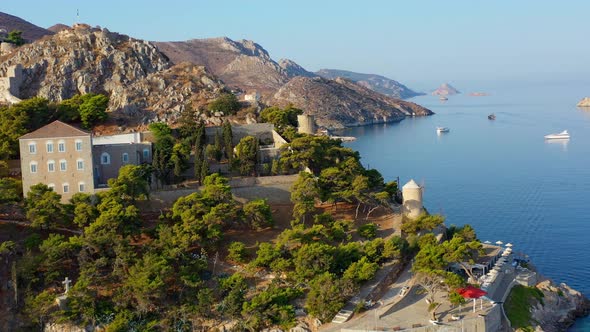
71 160
110 153
60 156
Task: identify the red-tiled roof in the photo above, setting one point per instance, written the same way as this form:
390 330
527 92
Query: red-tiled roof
56 129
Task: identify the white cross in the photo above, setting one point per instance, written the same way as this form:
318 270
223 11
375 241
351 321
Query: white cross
67 282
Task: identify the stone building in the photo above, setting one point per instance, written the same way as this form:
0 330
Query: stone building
412 203
60 156
306 124
109 153
71 160
252 97
10 82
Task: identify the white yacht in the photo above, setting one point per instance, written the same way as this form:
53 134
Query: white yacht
442 129
563 135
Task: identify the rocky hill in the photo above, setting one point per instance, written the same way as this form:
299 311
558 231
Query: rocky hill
445 90
149 81
245 65
30 31
142 83
341 103
292 69
242 65
58 27
376 83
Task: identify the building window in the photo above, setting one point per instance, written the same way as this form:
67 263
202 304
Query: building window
105 158
78 145
32 148
62 165
61 146
81 187
80 163
51 186
125 158
51 166
49 147
146 153
66 188
33 167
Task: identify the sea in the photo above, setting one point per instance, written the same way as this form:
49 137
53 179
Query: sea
501 176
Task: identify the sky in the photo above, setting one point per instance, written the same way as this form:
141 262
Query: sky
417 42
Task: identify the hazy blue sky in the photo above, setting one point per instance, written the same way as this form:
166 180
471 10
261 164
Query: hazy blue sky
416 42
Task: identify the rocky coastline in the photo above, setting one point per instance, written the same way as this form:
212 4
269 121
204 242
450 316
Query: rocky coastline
560 307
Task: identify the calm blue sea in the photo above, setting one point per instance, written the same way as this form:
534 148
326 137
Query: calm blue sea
501 176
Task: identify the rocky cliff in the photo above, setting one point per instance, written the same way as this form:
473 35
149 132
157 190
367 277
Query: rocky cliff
242 65
30 31
376 83
559 308
143 85
445 90
585 102
341 103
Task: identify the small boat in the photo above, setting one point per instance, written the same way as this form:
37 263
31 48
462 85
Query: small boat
492 116
563 135
443 98
442 129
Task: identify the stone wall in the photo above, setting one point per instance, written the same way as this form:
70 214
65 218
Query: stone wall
6 48
10 84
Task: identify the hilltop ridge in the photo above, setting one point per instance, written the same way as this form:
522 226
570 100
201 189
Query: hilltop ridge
374 82
30 31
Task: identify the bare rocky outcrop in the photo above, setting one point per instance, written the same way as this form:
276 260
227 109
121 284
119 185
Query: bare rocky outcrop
341 103
292 69
445 90
560 307
376 83
242 65
585 102
143 85
58 27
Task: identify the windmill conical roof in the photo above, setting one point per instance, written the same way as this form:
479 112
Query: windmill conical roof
411 185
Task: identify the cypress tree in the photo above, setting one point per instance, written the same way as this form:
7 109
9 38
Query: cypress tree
204 170
227 140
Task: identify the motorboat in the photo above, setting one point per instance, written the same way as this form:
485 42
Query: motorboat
443 98
492 116
442 129
563 135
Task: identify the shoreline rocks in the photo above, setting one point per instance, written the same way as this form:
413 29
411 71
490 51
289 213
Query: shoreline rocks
560 307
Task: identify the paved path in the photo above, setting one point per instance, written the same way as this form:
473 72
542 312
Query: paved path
372 317
405 312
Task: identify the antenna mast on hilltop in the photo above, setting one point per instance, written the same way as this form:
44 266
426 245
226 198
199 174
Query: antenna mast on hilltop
77 16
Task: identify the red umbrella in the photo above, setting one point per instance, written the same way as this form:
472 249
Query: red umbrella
471 292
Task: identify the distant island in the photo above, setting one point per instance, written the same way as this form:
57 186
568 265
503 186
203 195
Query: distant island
445 90
479 94
585 102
